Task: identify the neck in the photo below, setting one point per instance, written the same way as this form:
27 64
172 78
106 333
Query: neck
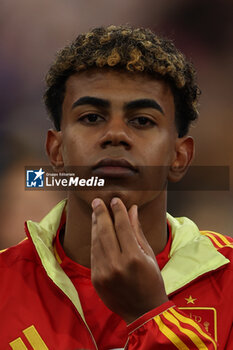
77 240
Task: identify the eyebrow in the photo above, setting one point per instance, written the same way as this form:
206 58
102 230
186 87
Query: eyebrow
93 101
143 103
100 102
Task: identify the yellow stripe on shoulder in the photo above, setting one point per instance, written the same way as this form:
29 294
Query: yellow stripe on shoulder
218 239
222 237
3 250
214 240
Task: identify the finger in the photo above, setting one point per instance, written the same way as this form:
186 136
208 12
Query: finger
96 250
132 213
104 229
141 239
98 260
123 228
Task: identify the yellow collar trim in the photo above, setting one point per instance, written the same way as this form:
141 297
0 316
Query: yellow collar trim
191 254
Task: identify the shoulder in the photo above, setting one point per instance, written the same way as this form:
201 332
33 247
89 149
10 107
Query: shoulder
218 240
223 244
23 251
186 234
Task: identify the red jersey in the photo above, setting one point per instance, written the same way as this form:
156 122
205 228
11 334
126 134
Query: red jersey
43 303
110 331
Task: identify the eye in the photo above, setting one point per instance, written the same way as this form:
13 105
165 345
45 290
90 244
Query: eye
91 118
142 122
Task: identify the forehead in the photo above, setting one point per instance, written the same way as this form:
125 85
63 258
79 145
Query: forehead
118 87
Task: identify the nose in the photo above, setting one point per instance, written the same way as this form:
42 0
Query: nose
116 134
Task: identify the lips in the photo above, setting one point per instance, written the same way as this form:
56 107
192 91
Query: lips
118 168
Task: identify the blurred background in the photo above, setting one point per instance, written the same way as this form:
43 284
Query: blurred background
32 31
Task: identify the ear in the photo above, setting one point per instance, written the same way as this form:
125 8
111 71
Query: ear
54 150
183 157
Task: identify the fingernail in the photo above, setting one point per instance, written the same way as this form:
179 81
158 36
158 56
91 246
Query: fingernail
114 201
95 203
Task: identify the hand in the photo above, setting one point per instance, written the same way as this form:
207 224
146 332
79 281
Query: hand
124 270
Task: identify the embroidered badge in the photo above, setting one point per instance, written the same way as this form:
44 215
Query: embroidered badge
207 316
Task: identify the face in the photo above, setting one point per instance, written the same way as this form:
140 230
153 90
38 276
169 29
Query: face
117 116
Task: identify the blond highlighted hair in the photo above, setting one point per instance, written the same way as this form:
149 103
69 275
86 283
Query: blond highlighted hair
133 50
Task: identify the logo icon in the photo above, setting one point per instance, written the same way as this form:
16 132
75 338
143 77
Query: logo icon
35 178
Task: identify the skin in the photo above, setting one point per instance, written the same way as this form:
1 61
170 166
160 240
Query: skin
121 231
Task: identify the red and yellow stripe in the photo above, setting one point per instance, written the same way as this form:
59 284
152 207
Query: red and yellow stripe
183 332
3 250
219 241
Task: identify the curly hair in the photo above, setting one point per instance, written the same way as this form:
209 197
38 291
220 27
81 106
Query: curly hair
130 49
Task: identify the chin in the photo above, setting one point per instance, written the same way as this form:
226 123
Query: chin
128 197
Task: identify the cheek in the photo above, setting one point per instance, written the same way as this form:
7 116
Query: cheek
161 150
74 148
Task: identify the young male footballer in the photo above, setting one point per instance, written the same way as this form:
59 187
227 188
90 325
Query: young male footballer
109 268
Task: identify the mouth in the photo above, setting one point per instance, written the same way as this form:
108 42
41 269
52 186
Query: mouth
114 168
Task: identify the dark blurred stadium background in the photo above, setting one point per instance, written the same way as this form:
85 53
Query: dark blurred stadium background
32 31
